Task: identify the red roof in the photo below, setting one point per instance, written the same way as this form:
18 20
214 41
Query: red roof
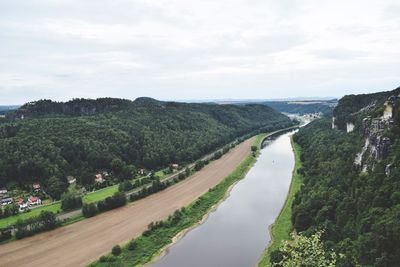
34 199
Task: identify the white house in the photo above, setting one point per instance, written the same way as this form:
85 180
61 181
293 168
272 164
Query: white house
34 201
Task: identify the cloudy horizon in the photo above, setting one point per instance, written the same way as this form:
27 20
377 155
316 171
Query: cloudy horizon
186 50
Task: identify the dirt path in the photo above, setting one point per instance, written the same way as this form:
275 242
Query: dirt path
84 242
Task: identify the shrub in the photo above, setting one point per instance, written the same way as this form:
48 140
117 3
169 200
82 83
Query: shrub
89 210
132 245
116 250
5 234
70 201
125 186
115 201
44 222
199 165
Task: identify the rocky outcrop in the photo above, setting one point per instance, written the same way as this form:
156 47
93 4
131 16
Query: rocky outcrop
377 145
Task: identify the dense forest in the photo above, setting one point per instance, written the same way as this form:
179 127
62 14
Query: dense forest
303 107
47 141
350 193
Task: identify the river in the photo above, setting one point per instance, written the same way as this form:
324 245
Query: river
236 233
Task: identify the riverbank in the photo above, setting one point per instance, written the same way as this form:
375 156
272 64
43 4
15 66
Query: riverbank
282 226
153 242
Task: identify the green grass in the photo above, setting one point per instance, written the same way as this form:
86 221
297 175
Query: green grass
282 227
100 194
56 207
149 245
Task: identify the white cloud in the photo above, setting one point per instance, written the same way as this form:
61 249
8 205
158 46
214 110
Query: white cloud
175 49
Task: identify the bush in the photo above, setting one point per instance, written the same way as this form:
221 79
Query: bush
108 258
116 250
70 201
44 222
132 245
5 234
89 210
199 165
125 186
115 201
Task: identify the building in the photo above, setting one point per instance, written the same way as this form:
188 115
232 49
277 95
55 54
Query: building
99 178
3 191
34 201
6 200
36 187
175 166
71 179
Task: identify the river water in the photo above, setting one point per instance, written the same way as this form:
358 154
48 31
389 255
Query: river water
236 233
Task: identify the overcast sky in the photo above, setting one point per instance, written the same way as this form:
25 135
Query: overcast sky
207 49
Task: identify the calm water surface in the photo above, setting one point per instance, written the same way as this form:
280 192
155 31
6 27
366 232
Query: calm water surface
236 234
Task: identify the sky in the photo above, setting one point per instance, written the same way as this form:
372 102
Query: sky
208 49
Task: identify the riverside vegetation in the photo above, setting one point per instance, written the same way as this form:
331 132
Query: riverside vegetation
159 234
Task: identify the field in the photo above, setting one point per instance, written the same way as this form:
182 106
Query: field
282 227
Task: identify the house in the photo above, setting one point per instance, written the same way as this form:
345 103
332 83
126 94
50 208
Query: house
3 191
99 178
6 199
23 206
34 201
36 187
20 201
175 166
142 171
71 179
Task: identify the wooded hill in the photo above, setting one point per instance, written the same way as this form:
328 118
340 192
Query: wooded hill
303 107
47 139
351 193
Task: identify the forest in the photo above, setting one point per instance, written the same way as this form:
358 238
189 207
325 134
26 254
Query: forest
303 107
46 141
357 210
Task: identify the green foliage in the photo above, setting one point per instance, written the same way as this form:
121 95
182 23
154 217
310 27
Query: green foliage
254 148
359 211
303 107
70 201
199 165
82 137
125 186
44 222
115 201
304 251
116 250
56 187
89 210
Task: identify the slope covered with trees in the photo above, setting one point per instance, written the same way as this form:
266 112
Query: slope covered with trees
303 107
47 141
350 193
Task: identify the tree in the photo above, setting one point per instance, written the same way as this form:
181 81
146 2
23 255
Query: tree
55 187
116 250
306 252
254 148
70 201
89 210
125 186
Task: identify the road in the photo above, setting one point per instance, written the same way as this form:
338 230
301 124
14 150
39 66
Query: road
83 242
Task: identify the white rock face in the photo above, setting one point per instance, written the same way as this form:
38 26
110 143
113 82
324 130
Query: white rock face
388 112
333 123
359 156
349 127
